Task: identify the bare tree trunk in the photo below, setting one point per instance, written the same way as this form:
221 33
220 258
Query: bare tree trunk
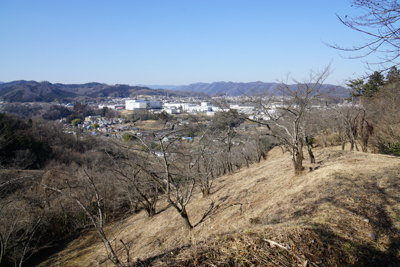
311 154
205 191
353 141
323 140
300 147
355 145
151 211
185 219
113 256
230 167
309 149
364 144
297 159
298 165
366 130
342 137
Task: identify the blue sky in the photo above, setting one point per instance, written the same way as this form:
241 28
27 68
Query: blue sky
173 42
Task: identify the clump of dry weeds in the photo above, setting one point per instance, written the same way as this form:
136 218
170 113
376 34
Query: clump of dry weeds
317 246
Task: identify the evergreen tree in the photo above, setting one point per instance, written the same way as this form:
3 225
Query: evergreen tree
358 89
393 75
375 83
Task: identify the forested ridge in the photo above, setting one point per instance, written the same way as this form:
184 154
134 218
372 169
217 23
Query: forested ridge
32 91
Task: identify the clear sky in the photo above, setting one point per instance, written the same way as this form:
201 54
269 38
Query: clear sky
171 42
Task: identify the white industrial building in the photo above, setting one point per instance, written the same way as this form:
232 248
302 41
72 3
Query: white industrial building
171 110
243 109
172 105
142 104
112 106
175 108
205 107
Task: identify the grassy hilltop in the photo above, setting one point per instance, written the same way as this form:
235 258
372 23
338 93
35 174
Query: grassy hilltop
343 211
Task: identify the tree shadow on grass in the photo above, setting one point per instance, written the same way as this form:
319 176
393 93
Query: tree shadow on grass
163 209
206 214
62 244
350 253
362 207
362 221
212 210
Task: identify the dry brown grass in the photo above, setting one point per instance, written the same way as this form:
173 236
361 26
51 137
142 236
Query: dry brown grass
149 125
345 211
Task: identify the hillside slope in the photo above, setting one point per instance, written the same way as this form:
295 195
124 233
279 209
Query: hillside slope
345 212
238 88
229 88
31 91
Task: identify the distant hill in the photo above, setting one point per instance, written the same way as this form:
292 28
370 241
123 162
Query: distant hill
230 88
32 91
170 87
23 91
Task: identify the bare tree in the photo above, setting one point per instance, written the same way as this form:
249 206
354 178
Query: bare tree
175 181
384 114
366 131
320 126
286 111
340 128
20 232
350 116
226 142
204 163
94 209
379 22
138 187
22 220
308 131
261 145
23 158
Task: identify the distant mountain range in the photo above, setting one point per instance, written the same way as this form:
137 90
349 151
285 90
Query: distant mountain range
32 91
170 87
228 88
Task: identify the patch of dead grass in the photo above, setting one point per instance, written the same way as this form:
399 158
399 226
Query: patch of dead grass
348 205
149 125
